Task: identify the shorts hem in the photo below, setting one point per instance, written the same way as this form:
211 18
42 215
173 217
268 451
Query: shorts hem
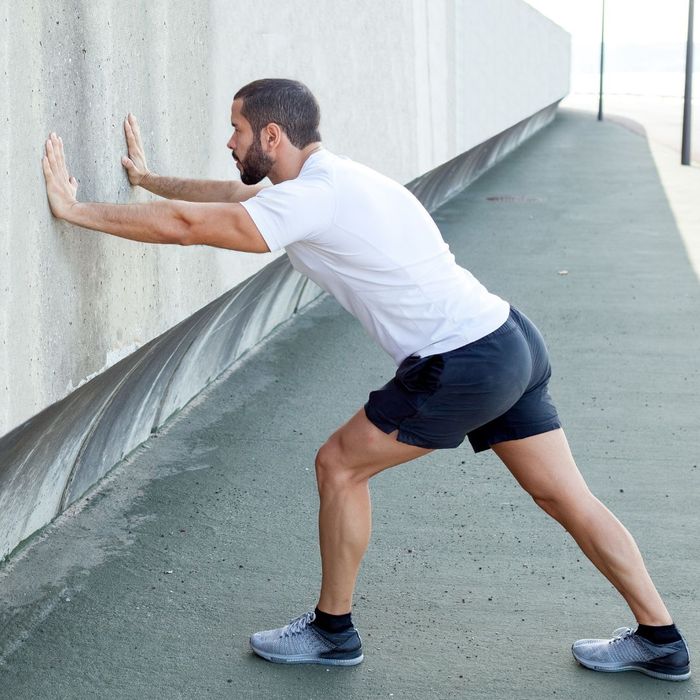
515 434
412 439
403 436
383 424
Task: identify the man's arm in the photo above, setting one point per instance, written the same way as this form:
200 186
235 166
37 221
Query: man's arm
198 190
176 187
175 222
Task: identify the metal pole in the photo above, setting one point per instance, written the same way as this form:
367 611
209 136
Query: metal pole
602 52
688 101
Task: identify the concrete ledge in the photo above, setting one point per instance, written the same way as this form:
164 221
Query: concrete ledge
52 459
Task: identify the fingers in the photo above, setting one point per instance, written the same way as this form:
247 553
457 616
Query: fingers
129 133
61 188
133 123
54 152
133 142
55 157
51 155
61 158
46 167
135 161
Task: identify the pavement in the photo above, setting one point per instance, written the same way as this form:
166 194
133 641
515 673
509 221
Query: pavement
150 586
658 120
657 117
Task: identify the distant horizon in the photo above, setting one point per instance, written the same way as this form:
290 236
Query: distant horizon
658 57
626 21
639 38
641 83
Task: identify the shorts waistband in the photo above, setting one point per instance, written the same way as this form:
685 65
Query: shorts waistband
509 325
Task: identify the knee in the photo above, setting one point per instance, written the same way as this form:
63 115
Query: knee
549 504
332 469
562 506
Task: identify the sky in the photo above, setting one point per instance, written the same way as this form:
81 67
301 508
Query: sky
627 21
641 37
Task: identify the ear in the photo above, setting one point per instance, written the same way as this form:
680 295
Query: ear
271 136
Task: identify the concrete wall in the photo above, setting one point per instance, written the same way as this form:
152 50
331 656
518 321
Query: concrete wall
404 86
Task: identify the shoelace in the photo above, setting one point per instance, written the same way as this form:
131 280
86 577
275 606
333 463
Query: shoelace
620 634
299 624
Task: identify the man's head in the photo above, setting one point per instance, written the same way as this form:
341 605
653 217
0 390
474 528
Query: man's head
270 117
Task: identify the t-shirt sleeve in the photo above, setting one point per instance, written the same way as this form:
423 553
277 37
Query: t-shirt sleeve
291 211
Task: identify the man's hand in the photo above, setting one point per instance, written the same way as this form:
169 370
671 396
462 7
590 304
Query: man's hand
135 162
61 188
177 223
176 187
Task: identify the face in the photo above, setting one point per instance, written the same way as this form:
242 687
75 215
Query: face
246 148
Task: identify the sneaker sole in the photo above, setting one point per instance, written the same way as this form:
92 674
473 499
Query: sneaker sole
276 659
639 669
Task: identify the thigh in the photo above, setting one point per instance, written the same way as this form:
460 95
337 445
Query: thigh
544 466
364 449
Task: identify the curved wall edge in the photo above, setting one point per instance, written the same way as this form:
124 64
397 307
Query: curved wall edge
53 458
436 186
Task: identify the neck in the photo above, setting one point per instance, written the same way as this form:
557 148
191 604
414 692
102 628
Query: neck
289 168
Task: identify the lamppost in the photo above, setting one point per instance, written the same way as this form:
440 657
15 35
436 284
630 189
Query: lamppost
687 103
602 50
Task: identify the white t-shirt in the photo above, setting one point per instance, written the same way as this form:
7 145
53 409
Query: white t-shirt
370 243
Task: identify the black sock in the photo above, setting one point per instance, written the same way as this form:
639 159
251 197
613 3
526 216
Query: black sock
332 623
662 634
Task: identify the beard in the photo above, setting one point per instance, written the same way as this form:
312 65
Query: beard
256 164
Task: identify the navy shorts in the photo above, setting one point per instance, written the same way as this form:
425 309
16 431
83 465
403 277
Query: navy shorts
491 390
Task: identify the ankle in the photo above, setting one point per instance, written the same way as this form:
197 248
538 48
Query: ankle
333 623
655 621
659 634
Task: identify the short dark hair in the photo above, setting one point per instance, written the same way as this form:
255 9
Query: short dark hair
287 103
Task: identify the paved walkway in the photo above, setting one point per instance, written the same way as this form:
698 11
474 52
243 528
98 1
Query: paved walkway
658 120
207 532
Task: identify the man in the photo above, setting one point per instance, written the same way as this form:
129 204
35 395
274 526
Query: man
469 365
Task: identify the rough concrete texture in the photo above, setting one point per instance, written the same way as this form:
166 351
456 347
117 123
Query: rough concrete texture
151 586
74 302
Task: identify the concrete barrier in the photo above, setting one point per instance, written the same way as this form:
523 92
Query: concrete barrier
105 339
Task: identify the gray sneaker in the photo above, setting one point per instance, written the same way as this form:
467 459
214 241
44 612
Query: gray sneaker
300 642
627 651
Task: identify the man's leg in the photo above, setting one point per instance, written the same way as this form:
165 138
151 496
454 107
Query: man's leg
544 467
344 465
